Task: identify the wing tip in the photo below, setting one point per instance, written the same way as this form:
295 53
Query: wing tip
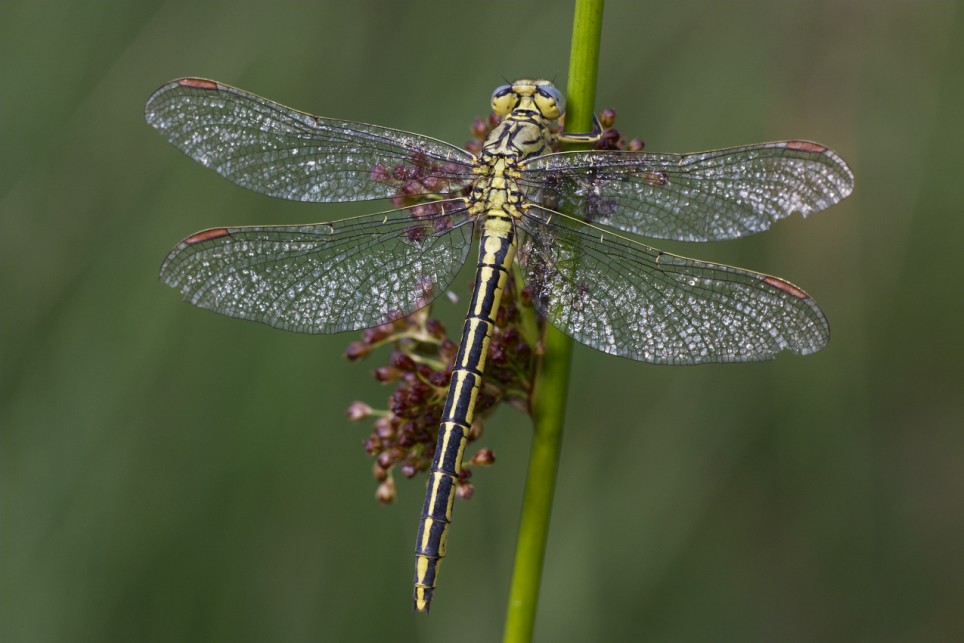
821 327
785 286
172 257
188 82
846 186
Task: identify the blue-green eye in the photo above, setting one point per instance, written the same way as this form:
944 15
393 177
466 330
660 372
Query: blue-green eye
501 91
504 100
550 91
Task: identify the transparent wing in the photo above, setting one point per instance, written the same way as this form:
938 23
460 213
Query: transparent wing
324 278
274 150
627 299
707 196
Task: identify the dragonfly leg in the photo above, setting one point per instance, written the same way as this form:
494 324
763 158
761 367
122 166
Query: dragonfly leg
587 138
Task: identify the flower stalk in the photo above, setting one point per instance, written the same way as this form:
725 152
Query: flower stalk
548 402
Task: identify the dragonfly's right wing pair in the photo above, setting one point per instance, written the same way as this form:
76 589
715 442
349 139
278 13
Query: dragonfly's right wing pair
324 278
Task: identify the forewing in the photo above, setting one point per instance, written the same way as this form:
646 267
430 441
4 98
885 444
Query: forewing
723 194
627 299
274 150
323 278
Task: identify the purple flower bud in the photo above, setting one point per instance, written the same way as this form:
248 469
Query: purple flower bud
379 473
483 458
358 410
356 351
465 491
386 374
435 328
401 361
386 492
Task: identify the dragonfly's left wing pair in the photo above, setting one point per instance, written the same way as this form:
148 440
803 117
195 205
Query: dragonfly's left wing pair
626 298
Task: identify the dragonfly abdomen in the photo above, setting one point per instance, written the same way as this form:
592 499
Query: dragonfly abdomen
497 250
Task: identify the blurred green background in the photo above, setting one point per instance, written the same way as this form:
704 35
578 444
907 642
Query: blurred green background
172 475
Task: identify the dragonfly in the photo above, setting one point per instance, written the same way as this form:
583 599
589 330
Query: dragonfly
567 220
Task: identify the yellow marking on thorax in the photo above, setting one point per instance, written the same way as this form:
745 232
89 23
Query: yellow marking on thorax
497 190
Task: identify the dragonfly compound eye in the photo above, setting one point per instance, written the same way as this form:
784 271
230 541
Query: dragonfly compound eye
504 100
550 102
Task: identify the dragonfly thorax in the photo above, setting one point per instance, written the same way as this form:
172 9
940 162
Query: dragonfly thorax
520 136
496 191
527 107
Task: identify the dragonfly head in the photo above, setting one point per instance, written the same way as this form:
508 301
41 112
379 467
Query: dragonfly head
538 96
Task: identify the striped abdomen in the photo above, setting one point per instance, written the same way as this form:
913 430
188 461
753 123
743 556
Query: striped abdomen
496 253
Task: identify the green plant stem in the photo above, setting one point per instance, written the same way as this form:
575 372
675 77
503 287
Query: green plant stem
583 65
548 403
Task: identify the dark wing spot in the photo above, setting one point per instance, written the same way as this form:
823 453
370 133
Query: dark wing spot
206 235
198 83
806 146
785 286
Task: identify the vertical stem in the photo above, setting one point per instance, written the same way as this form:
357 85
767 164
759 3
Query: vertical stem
552 374
583 65
548 410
